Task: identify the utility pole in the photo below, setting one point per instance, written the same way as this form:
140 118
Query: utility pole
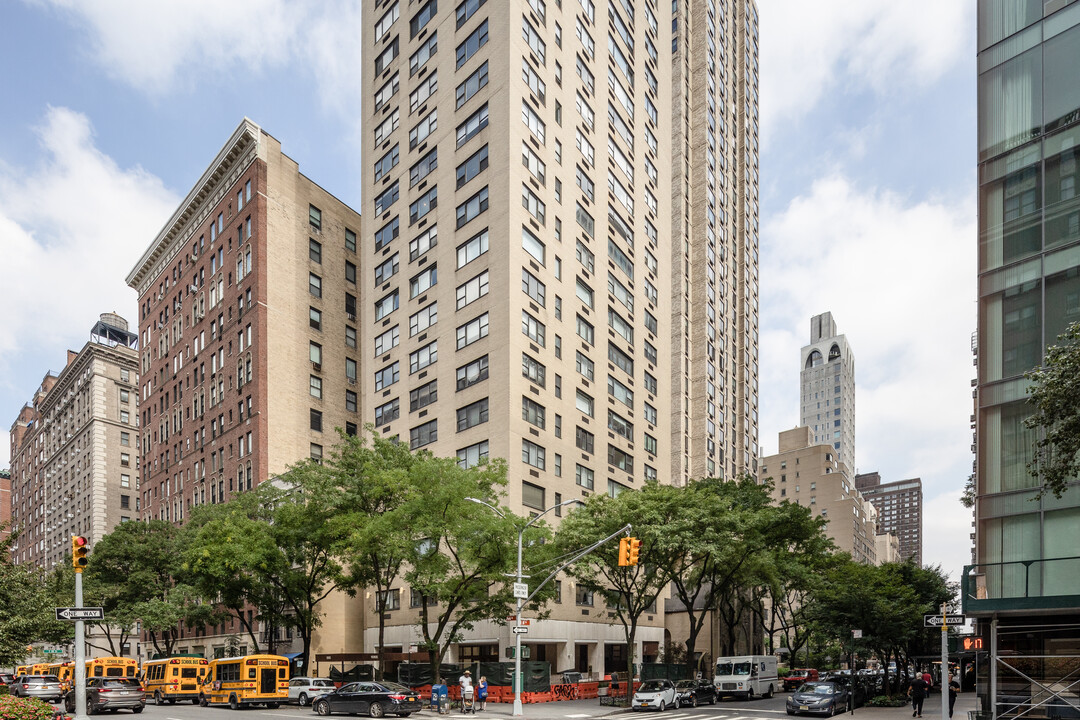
944 662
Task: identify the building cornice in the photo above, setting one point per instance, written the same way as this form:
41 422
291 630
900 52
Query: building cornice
241 149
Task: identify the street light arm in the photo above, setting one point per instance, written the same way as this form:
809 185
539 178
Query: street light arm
575 501
487 504
625 529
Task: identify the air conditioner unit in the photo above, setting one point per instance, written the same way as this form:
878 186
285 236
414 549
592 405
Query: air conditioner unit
352 316
352 381
317 367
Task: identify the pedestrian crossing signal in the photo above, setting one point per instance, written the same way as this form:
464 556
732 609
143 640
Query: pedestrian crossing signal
973 643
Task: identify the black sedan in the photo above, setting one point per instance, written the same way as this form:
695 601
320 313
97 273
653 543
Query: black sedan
826 698
692 692
374 699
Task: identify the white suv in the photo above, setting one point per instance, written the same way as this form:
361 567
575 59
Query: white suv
304 690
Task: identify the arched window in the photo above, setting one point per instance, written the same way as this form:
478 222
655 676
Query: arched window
814 359
834 352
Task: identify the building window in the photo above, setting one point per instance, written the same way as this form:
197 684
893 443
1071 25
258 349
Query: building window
125 502
472 415
386 377
472 331
316 452
472 248
533 412
315 385
423 357
389 600
584 477
388 412
350 401
584 596
532 496
425 434
533 370
315 285
315 217
473 373
423 396
125 481
473 455
314 318
585 440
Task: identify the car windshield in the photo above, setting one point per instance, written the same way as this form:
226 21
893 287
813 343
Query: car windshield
651 686
818 688
685 684
739 668
351 687
38 679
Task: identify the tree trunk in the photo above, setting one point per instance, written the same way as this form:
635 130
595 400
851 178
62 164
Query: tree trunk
691 645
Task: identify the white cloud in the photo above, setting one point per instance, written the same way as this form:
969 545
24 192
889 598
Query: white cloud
898 278
69 230
810 50
154 46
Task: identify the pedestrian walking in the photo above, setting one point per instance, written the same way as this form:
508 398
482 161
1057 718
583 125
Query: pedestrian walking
917 693
954 687
482 692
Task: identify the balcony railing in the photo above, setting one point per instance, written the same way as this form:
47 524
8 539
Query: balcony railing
1043 584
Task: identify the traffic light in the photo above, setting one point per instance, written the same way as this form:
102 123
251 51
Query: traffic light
624 551
635 549
78 552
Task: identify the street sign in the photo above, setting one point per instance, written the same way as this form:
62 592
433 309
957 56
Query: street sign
79 613
47 651
936 621
856 634
519 629
521 590
514 619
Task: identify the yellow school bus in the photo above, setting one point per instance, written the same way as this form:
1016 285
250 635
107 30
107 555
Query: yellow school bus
65 671
172 679
248 680
111 667
37 669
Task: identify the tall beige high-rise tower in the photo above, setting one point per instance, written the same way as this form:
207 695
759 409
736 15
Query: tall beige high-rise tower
559 256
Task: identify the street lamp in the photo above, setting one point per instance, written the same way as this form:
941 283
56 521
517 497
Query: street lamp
518 595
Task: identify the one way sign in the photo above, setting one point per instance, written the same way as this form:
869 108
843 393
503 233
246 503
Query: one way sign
936 621
83 613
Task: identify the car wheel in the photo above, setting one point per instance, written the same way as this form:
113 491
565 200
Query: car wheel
750 694
376 710
693 702
302 700
322 707
790 712
202 701
678 703
663 707
136 710
234 704
769 692
157 699
273 705
172 701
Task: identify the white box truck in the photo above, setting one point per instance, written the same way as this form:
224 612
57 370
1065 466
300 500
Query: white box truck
746 676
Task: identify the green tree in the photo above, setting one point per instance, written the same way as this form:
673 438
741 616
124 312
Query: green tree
628 591
1054 395
283 536
133 571
365 482
26 607
459 552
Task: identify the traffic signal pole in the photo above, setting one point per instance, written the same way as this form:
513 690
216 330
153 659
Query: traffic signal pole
80 653
944 663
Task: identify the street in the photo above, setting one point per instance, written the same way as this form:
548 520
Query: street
760 709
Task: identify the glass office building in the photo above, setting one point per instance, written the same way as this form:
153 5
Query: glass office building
1025 589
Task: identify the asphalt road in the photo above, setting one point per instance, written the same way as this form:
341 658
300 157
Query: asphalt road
766 709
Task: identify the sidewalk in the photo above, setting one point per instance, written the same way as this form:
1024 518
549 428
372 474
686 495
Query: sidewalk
581 709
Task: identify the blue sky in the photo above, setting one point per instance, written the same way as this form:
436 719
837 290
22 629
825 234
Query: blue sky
112 109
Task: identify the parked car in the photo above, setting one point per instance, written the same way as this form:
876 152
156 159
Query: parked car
6 679
825 697
692 692
372 698
43 687
658 694
798 676
110 693
304 690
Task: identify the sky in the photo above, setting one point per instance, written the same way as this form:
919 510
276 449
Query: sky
110 111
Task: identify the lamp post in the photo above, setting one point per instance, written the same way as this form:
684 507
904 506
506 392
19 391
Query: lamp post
518 595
